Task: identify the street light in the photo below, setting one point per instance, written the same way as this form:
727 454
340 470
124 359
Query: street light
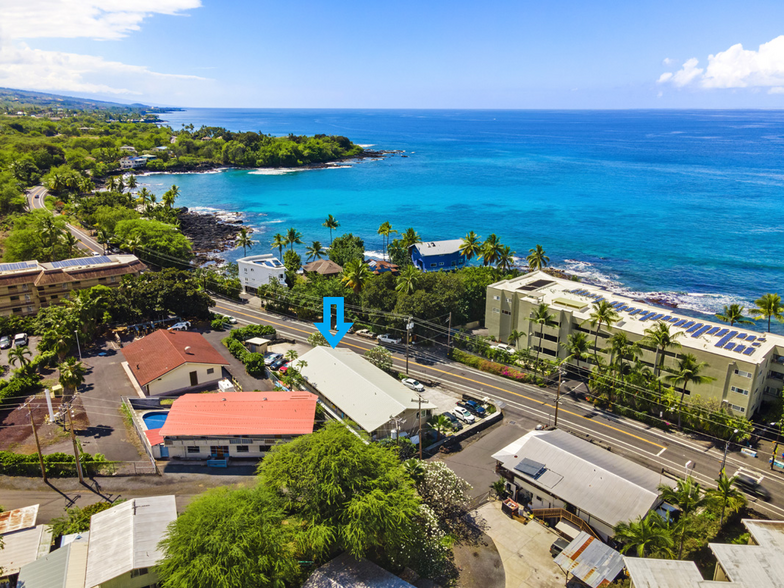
558 395
776 444
689 464
726 447
77 345
409 328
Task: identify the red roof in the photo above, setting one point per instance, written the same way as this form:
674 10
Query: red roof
154 436
241 413
162 351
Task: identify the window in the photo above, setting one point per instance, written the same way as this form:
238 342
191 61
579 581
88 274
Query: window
138 572
495 310
509 301
432 265
54 297
14 298
16 310
740 390
243 448
737 408
496 298
63 286
12 288
193 449
210 370
742 373
101 279
506 312
264 448
454 264
440 263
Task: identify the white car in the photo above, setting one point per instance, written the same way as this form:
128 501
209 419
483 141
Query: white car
389 339
182 326
231 319
503 347
413 384
463 414
20 339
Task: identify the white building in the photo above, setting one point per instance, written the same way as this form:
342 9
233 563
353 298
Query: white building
359 391
260 270
132 162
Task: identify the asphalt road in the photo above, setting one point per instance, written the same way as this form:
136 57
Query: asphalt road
648 446
35 198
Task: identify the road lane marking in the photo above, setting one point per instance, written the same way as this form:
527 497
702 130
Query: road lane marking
662 451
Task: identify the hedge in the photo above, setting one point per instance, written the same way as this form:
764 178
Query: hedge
492 367
58 465
250 331
253 362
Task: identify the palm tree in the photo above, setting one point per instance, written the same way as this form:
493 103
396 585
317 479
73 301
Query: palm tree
331 223
71 376
410 237
406 281
769 306
471 247
103 237
315 251
71 243
542 317
688 371
133 243
19 355
385 230
603 314
621 348
687 496
491 249
278 242
293 237
414 469
536 259
659 336
727 495
506 258
243 239
143 196
441 424
111 184
356 275
132 182
733 314
291 355
646 536
577 347
170 196
514 337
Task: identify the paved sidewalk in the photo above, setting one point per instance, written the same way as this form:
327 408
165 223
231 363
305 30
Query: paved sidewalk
524 549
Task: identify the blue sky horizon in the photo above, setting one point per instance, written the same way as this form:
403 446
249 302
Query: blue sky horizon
508 55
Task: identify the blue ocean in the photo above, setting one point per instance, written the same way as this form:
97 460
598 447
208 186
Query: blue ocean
683 205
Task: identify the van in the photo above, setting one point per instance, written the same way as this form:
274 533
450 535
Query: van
558 546
751 485
20 340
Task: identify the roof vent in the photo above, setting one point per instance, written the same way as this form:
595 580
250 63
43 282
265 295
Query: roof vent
188 350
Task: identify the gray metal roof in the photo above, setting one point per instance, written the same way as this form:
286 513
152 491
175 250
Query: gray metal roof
63 568
608 486
347 572
590 560
663 573
368 395
439 247
125 537
754 566
23 547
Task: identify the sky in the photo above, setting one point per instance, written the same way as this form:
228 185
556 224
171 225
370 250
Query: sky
556 54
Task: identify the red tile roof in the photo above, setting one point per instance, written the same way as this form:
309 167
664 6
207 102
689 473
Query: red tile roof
162 351
241 413
154 436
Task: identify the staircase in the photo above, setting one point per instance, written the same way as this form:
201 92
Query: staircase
560 513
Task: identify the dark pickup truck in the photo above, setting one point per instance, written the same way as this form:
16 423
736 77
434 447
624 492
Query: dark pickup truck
474 408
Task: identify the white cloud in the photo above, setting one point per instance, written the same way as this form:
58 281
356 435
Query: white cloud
778 90
664 77
668 61
736 68
94 19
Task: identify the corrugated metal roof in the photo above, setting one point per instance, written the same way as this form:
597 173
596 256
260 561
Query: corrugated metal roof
608 486
662 573
63 568
590 560
17 519
23 547
446 247
347 572
368 395
125 537
755 566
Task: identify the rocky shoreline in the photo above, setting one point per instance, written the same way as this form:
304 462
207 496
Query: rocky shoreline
210 232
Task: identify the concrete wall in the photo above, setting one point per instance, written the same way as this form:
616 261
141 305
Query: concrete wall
126 581
179 378
253 275
258 446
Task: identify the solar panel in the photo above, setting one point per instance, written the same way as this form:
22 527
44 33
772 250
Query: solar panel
749 351
530 468
681 322
701 331
657 317
12 267
751 338
666 318
645 314
633 311
674 319
80 261
742 336
713 331
729 346
757 344
739 348
694 328
726 338
688 324
722 332
599 299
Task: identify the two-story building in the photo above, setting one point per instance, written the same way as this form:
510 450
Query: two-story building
27 286
433 256
132 162
259 270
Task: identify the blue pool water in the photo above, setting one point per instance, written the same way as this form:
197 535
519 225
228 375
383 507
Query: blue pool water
154 420
683 205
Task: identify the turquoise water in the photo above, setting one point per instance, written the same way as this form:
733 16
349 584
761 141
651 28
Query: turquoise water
687 205
154 420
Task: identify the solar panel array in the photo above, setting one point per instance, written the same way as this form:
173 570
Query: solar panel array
531 468
12 267
81 261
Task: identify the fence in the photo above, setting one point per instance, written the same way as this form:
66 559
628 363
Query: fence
90 469
128 410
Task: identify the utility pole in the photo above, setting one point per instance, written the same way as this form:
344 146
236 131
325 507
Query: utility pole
75 447
558 395
79 347
409 328
726 447
449 334
37 445
419 398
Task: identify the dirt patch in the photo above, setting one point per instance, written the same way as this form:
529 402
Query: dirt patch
16 433
480 564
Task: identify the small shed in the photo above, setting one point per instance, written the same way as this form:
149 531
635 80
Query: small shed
590 561
257 344
63 568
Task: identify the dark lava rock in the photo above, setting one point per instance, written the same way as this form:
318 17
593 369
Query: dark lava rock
208 232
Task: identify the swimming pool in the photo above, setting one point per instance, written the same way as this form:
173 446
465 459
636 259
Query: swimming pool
154 420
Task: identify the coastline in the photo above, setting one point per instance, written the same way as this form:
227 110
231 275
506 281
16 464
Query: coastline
211 233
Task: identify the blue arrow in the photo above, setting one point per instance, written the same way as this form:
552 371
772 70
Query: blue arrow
326 322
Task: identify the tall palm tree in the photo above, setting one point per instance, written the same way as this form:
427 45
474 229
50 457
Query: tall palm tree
621 348
577 347
687 496
769 306
646 536
170 196
603 314
536 259
132 182
111 184
541 316
407 280
279 242
661 338
71 243
19 355
315 251
143 197
356 275
71 376
103 237
506 258
385 230
471 246
727 495
689 370
733 314
133 243
293 237
441 424
243 240
410 237
331 223
491 249
514 337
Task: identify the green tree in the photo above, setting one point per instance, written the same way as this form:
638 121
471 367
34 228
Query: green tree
133 243
646 537
293 262
733 314
514 337
661 338
769 306
170 196
72 374
36 235
293 237
77 519
157 237
471 246
132 182
506 258
687 496
230 538
315 251
689 371
71 244
20 355
577 347
441 424
347 248
381 357
491 250
331 223
385 230
602 313
278 242
317 339
356 275
541 316
244 241
726 495
536 259
407 280
410 237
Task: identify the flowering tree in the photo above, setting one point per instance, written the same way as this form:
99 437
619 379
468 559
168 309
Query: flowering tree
446 493
381 357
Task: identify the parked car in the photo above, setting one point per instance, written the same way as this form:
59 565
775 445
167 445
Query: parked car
365 334
476 408
231 319
5 342
752 484
181 326
284 368
503 347
464 415
558 546
20 339
270 358
456 424
277 363
389 339
413 384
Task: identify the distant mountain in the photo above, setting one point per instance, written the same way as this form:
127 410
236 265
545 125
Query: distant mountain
41 99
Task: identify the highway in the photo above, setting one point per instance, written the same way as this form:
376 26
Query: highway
648 446
35 199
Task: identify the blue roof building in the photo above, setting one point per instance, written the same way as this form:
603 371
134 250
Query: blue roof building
433 256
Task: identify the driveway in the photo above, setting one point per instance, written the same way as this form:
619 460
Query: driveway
32 346
236 368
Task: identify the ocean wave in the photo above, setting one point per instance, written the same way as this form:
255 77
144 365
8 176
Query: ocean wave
278 171
272 222
368 146
375 254
218 170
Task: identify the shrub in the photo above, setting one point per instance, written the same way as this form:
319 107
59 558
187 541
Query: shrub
250 331
492 367
58 465
253 362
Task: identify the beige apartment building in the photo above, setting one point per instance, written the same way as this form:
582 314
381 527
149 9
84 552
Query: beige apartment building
747 365
28 286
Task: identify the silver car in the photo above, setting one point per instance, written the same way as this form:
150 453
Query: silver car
414 385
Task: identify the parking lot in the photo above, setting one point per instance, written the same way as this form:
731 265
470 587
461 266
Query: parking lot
32 346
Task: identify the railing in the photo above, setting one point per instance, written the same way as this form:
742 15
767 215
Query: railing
139 429
560 513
